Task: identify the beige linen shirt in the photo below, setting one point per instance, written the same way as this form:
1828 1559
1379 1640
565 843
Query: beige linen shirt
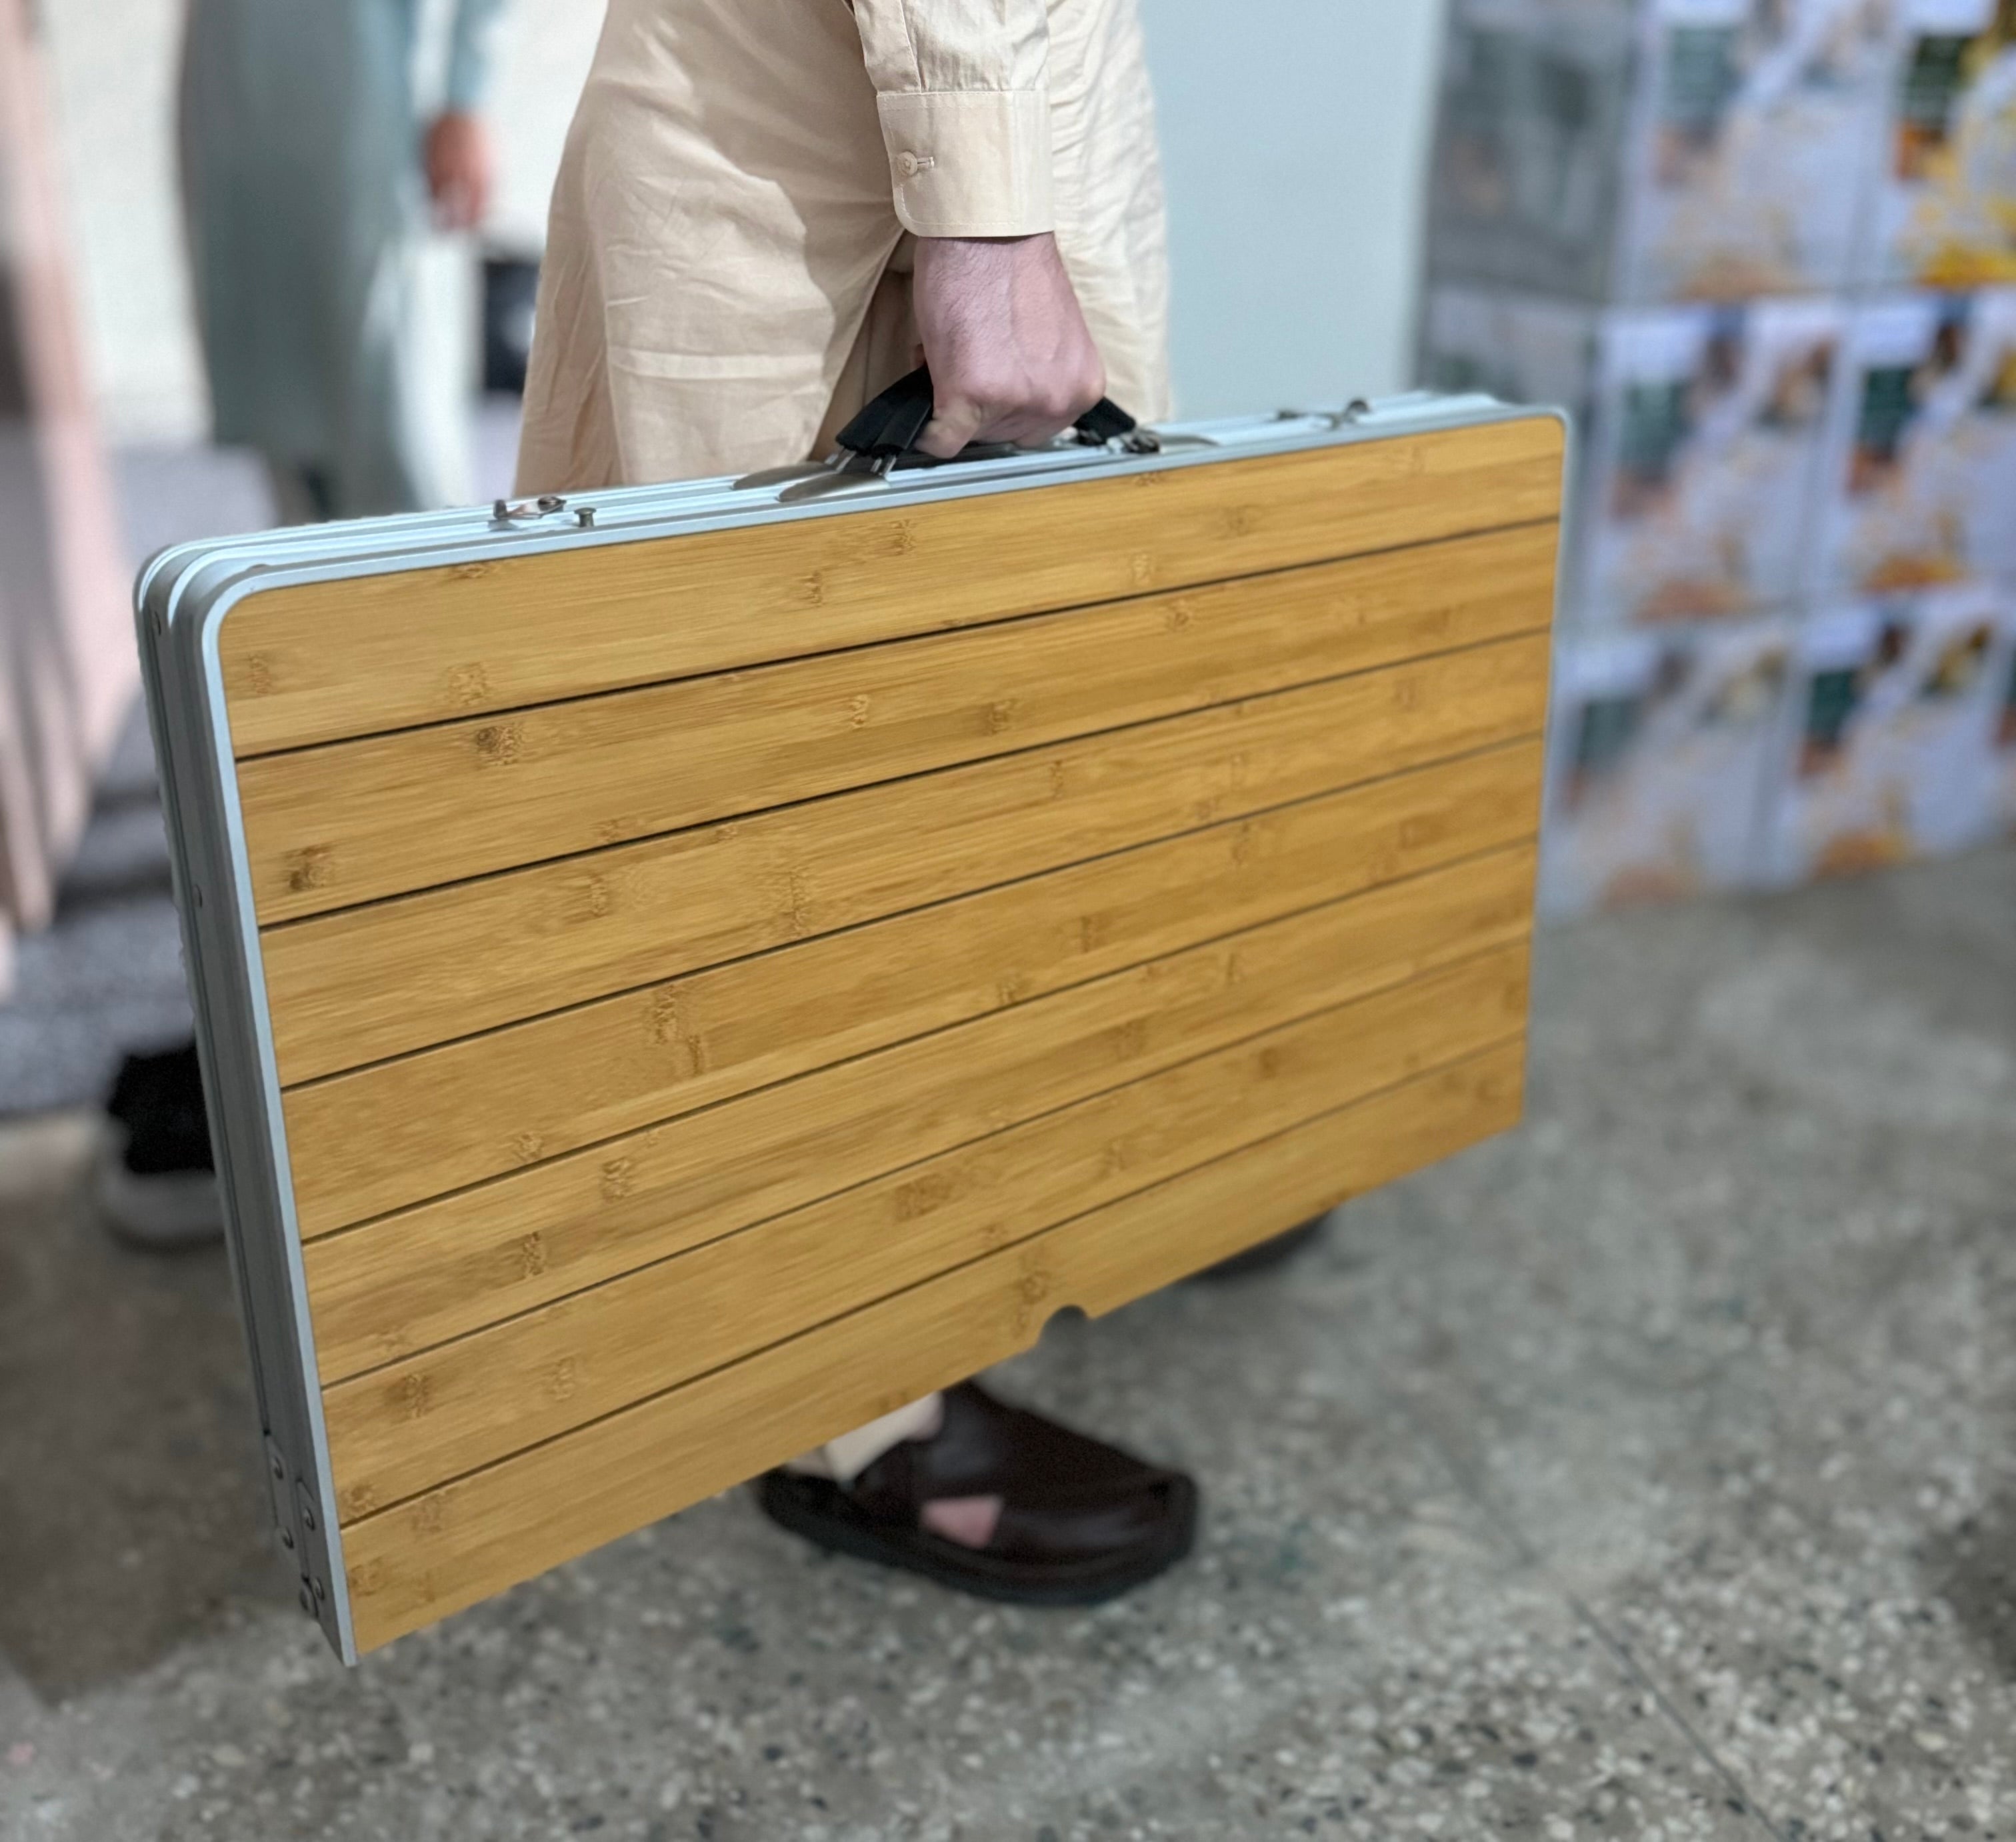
727 272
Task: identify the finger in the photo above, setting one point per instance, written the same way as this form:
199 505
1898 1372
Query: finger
1031 424
462 203
1028 428
955 426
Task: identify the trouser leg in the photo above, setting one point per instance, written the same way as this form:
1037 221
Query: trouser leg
844 1459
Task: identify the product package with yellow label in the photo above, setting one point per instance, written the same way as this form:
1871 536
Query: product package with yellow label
1892 754
1645 151
1920 472
1703 434
1663 746
1943 214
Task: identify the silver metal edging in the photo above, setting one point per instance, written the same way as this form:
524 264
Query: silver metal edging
272 1126
230 574
155 688
634 511
280 1382
680 503
660 500
443 539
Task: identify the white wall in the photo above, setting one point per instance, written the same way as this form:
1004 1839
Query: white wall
114 63
1295 135
1294 132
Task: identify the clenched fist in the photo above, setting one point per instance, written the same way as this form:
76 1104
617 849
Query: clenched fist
1011 358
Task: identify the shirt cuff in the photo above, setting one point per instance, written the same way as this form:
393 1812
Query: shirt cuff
970 162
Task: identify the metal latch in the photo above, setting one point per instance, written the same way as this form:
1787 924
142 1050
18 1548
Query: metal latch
847 472
1139 440
505 515
1356 411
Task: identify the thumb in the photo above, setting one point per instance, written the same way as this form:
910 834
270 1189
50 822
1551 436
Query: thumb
953 425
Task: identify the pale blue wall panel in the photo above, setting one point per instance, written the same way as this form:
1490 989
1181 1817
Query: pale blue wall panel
1295 134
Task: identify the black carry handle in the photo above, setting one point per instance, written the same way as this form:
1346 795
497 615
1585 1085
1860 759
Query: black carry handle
888 428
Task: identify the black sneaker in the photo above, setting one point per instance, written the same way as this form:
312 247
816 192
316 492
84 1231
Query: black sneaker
157 1183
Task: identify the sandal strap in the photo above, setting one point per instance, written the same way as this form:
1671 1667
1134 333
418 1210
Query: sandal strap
986 1448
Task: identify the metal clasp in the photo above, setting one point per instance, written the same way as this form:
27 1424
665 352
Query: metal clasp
847 472
1138 440
505 515
1356 410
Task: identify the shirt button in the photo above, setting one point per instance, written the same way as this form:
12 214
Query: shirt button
909 165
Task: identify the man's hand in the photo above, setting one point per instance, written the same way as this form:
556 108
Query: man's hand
460 170
1011 358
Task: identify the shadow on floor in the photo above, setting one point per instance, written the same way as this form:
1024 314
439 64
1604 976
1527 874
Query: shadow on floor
1972 1567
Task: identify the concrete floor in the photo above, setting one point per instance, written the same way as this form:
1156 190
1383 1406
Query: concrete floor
1649 1474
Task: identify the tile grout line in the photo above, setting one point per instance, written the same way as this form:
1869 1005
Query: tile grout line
1480 1497
1621 1654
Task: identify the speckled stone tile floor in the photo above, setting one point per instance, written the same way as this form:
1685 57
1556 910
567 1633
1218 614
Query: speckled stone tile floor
1650 1474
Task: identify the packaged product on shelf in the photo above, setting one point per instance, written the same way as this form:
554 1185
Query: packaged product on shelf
1892 754
1663 743
1535 117
1703 437
1945 210
1705 451
1657 150
1921 463
1761 137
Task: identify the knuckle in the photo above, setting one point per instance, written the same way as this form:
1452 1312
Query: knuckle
952 405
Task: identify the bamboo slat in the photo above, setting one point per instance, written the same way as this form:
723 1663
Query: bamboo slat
354 821
434 1417
356 986
408 1280
421 1560
313 662
401 1130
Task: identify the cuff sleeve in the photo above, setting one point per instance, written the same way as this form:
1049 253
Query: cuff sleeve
969 163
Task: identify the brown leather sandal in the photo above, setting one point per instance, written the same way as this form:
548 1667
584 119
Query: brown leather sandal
1081 1522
